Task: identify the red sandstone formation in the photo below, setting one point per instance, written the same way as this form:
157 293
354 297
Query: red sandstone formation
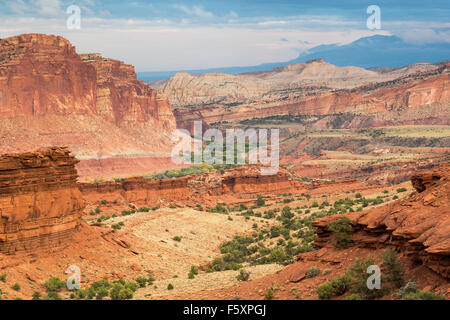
123 99
42 75
212 187
375 104
50 95
40 204
418 226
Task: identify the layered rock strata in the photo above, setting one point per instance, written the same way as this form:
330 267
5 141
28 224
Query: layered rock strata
418 226
40 204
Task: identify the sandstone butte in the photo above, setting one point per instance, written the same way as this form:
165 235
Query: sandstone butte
418 226
209 188
50 95
40 203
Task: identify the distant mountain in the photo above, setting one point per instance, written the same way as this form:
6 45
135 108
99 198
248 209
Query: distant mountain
369 52
377 51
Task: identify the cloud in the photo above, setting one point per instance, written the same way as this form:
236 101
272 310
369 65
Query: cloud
48 7
17 6
424 36
194 11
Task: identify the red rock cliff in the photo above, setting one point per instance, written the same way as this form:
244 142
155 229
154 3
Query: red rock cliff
121 98
50 95
42 75
211 187
418 226
40 204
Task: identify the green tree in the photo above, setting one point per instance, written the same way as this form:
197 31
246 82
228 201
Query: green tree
393 268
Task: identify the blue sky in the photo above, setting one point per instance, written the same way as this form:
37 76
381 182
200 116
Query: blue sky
197 34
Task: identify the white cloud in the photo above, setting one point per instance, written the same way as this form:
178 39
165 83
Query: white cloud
194 11
48 7
17 6
423 36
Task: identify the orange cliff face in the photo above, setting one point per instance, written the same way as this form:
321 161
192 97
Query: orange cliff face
42 75
50 95
231 186
40 204
417 226
419 97
123 99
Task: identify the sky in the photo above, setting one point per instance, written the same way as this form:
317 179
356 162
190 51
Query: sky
162 35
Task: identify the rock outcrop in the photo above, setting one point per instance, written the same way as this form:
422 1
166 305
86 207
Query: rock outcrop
418 226
212 187
50 95
42 75
40 204
279 84
123 99
315 88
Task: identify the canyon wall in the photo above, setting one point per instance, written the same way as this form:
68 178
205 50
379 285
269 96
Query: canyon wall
212 187
42 75
50 95
276 85
377 99
40 204
417 226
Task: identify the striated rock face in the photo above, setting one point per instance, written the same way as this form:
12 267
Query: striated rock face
42 75
315 88
123 99
418 226
40 204
50 95
278 84
212 187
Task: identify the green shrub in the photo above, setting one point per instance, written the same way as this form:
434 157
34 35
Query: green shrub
312 272
410 287
82 294
3 277
194 270
131 285
353 297
170 286
325 291
393 268
53 296
16 287
326 271
243 275
177 238
269 294
143 209
400 190
359 276
277 255
36 296
102 293
341 284
341 228
423 295
286 213
150 279
141 281
260 201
